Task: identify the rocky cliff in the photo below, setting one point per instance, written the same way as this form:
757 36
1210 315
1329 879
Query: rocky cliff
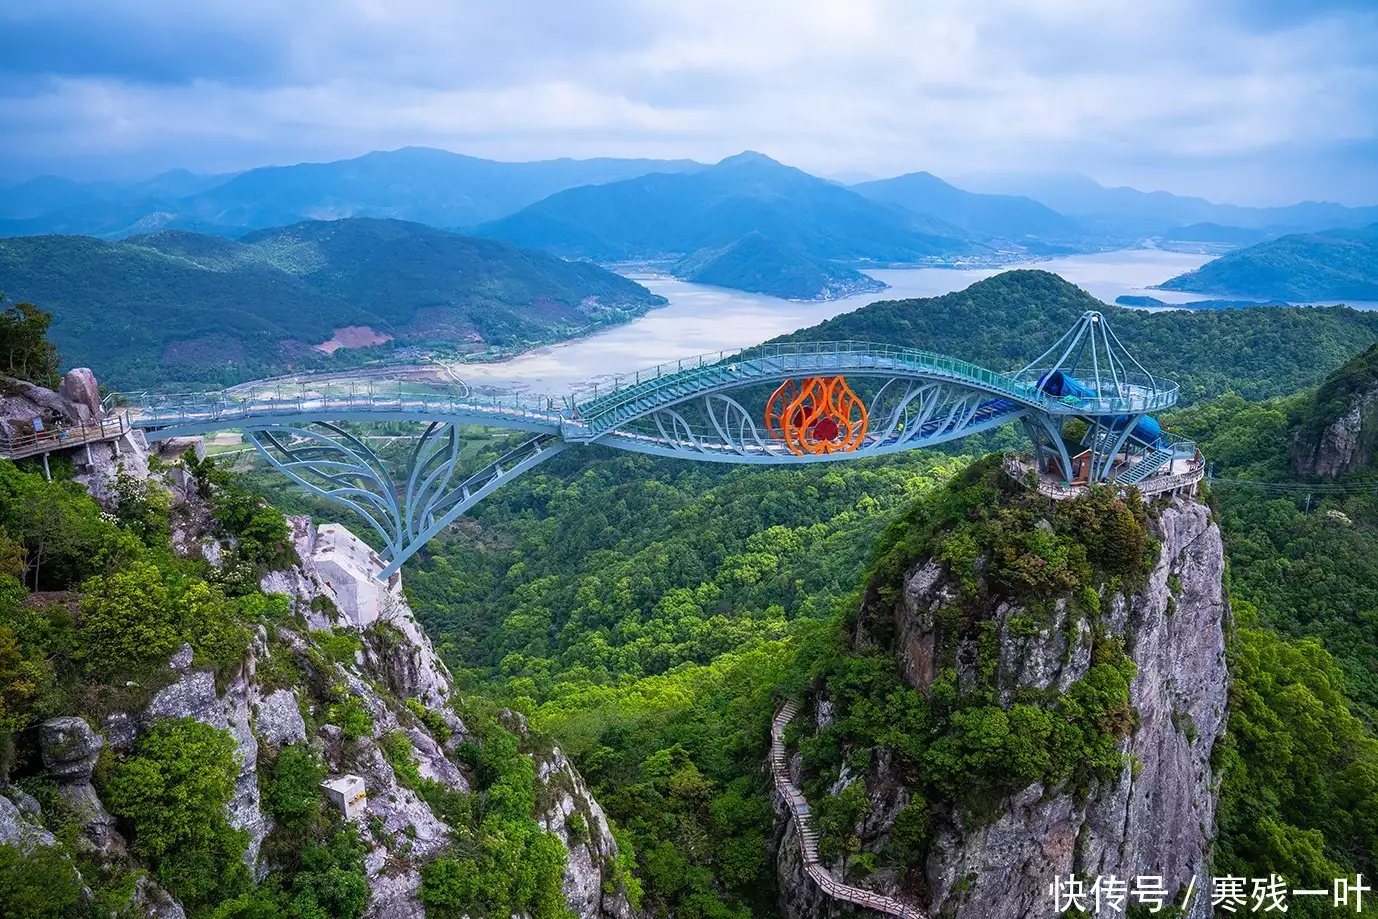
342 637
989 849
1339 428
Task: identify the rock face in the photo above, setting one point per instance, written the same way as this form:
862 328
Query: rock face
1155 818
1346 444
575 817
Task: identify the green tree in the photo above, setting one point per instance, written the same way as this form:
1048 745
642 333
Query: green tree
172 792
39 882
126 621
25 351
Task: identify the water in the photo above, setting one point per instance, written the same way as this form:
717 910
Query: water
703 319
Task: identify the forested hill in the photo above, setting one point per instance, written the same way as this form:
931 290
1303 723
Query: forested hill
1009 319
1338 264
177 307
760 265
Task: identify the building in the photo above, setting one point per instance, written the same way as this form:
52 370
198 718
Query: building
347 794
348 569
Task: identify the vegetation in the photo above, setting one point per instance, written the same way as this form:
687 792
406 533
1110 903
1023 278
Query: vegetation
1340 264
180 307
510 865
961 747
760 265
25 352
173 791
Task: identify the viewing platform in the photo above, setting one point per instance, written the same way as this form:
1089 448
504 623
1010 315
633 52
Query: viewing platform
1177 475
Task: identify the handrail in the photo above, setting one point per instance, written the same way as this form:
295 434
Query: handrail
1017 469
808 838
63 437
772 360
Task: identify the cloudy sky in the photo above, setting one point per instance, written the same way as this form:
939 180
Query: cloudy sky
1249 101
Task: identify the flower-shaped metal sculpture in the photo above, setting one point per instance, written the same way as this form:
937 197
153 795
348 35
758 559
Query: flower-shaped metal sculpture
816 415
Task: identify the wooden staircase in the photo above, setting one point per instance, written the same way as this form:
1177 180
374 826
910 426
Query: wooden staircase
808 837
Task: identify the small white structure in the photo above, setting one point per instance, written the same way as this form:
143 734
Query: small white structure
349 571
347 793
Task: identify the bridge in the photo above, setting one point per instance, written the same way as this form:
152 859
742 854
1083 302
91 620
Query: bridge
787 403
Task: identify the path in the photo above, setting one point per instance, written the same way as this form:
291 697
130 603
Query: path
808 837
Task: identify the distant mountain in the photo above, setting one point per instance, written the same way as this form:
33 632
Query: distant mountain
1339 264
428 186
1002 216
669 216
1078 195
760 265
178 307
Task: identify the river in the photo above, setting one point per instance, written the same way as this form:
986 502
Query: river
701 319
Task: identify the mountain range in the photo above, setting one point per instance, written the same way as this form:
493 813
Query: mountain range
659 216
175 306
1012 217
1339 264
1080 196
419 184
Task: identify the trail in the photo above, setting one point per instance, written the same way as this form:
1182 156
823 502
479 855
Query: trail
808 838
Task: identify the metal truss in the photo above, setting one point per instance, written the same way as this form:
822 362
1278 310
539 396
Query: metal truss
903 415
339 466
791 402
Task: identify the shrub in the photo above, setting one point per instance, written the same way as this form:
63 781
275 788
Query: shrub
172 792
293 796
126 625
352 717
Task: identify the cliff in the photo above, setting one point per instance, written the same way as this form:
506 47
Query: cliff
1026 733
1339 428
335 668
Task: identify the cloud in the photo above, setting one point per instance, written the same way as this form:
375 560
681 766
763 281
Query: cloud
1235 100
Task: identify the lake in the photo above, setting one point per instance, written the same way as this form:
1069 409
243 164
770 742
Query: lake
701 319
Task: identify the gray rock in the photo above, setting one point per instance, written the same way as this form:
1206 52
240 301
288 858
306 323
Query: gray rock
79 388
181 660
28 805
1346 444
154 902
277 719
591 851
70 748
121 731
98 827
17 830
1156 818
393 896
193 696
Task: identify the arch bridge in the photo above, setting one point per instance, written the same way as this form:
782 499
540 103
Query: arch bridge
804 402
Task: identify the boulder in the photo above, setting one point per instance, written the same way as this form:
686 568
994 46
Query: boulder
79 388
70 749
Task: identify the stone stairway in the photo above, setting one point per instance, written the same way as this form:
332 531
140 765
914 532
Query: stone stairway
808 837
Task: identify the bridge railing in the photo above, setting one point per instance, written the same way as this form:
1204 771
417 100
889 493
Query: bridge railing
609 396
163 409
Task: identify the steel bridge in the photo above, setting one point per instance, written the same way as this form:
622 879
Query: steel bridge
785 403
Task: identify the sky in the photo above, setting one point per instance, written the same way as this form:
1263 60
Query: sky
1244 101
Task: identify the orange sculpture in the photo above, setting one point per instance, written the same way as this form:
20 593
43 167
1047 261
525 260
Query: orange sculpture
816 415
